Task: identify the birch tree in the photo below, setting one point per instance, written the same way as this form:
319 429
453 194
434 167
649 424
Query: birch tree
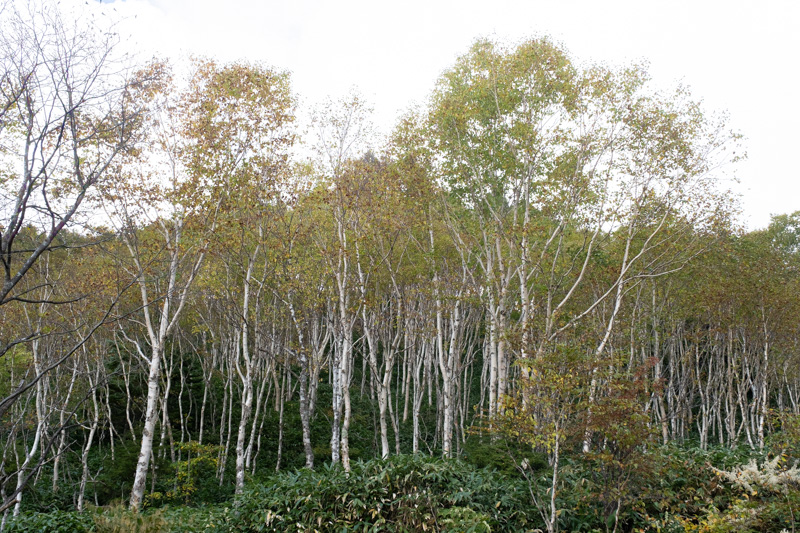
341 130
66 116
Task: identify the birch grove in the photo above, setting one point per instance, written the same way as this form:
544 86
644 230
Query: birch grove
540 248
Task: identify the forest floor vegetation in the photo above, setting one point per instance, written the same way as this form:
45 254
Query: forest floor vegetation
684 488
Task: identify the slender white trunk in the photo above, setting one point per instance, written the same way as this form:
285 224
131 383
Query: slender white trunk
22 473
168 319
764 392
305 412
63 437
89 439
146 447
245 375
593 385
255 427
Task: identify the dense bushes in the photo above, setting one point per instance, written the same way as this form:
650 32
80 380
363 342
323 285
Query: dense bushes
115 519
53 522
406 493
684 488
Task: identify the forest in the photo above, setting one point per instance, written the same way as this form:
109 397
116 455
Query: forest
530 307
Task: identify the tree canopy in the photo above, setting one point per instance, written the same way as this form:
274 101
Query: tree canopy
543 257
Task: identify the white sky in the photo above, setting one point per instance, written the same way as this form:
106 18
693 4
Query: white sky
739 57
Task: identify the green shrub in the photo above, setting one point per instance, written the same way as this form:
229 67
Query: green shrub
502 454
53 522
191 480
120 520
463 519
404 493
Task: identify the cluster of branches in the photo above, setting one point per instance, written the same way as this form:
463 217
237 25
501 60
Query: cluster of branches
545 250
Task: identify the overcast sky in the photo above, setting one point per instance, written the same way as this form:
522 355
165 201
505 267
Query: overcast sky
739 57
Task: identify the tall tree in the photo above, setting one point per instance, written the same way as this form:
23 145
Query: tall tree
213 144
70 107
342 130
